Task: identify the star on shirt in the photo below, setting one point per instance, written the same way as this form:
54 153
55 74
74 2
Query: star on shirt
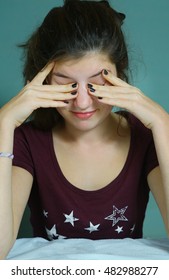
92 228
119 229
70 218
52 233
45 213
117 215
132 229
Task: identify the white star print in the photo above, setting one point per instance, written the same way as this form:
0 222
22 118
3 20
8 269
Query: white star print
92 228
45 213
70 218
119 229
52 233
132 229
117 215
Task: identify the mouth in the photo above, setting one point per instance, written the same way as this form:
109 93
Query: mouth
84 115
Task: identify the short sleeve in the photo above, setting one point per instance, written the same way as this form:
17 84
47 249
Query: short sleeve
144 144
21 151
151 160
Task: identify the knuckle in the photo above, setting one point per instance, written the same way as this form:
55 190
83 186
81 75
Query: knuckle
29 88
136 98
137 95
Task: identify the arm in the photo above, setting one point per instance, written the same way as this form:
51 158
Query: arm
8 198
153 116
158 178
6 217
13 203
16 183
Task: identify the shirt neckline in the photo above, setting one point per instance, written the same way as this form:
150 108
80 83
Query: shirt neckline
114 183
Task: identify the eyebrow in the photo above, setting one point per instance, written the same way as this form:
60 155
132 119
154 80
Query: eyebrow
58 74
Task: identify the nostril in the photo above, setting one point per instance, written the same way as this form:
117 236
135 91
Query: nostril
83 99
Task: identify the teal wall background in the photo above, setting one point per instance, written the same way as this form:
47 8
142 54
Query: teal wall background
147 32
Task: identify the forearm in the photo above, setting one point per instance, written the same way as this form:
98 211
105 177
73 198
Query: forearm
6 209
161 140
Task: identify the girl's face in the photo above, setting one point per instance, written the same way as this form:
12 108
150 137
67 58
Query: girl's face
84 112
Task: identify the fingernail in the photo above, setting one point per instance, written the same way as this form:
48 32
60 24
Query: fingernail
65 101
73 92
89 85
100 97
92 89
105 72
74 85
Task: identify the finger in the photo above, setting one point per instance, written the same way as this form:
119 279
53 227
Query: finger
50 104
40 77
114 80
68 88
57 96
123 104
111 91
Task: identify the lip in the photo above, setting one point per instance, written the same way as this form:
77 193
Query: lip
84 115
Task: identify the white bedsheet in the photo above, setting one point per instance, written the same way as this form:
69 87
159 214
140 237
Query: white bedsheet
85 249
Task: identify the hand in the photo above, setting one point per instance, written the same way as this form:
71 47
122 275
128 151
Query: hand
35 95
120 94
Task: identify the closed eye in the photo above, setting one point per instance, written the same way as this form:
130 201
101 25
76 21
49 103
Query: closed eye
62 81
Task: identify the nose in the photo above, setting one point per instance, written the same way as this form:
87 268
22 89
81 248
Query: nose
83 99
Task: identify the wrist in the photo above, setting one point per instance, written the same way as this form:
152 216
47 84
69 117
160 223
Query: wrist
6 123
161 125
6 155
161 120
6 137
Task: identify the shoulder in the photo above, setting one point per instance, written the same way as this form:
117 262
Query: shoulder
28 129
141 136
136 126
142 146
30 135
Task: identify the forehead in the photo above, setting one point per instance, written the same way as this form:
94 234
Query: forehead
90 63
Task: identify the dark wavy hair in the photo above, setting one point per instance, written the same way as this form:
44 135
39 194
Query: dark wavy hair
70 32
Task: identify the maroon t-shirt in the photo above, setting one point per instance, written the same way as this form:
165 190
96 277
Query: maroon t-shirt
61 210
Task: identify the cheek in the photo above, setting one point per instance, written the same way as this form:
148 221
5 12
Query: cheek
62 111
105 107
107 84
